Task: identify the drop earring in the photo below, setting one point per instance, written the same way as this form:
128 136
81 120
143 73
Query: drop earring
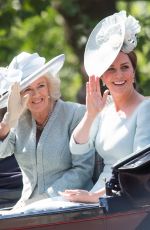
133 80
103 83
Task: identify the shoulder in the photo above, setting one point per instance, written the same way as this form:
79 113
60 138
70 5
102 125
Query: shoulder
71 106
143 112
71 111
144 105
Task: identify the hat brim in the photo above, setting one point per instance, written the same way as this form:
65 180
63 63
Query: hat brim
52 67
98 57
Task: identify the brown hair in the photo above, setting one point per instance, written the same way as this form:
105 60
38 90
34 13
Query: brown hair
133 58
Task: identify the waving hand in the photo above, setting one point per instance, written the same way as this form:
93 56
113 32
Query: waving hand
95 102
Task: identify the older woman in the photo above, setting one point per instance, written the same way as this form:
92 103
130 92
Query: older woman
37 128
115 125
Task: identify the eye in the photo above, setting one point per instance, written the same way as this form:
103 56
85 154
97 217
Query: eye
124 67
111 69
42 85
27 90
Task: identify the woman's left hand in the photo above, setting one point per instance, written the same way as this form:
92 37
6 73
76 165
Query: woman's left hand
95 101
78 195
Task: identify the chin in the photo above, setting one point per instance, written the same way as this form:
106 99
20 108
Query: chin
36 108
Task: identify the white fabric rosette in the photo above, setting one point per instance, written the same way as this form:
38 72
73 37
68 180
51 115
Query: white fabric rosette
132 27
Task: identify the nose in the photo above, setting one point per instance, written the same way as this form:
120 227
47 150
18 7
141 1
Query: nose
34 92
118 73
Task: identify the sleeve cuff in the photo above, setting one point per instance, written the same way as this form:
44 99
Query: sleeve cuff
79 148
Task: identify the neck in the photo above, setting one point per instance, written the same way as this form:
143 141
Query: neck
127 101
42 117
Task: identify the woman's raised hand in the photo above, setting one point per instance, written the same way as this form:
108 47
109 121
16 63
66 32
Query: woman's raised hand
16 105
95 102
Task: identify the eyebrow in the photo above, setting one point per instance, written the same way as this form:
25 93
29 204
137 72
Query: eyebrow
42 82
121 64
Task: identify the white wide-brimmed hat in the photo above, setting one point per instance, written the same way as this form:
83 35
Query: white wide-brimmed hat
112 34
26 68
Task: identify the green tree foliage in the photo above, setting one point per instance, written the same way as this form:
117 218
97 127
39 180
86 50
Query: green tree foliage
141 9
36 26
51 27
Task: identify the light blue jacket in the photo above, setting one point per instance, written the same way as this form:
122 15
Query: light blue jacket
50 167
115 136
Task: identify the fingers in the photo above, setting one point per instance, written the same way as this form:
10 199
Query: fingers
94 85
68 195
25 100
76 195
71 195
98 89
13 94
70 191
15 89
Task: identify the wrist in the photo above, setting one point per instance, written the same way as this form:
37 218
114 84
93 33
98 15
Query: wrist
94 197
89 117
4 130
9 121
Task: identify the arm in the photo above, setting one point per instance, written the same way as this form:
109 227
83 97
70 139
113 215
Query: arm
95 102
4 130
78 195
16 106
79 175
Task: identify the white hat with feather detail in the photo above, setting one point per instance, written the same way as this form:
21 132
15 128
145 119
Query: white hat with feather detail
112 34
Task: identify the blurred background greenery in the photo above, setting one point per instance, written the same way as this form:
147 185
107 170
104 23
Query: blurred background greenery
52 27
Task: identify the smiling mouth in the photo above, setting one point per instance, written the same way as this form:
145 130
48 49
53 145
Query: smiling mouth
119 83
37 102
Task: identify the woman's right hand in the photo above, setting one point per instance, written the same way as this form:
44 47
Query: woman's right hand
95 102
79 195
16 106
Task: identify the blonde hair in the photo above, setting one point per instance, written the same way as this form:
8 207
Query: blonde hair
54 86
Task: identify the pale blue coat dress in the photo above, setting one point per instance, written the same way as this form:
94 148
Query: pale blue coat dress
49 167
114 136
